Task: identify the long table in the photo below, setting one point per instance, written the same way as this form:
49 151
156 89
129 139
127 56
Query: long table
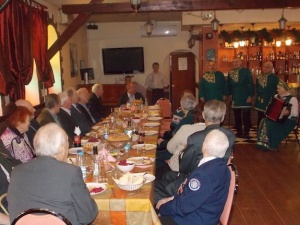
118 207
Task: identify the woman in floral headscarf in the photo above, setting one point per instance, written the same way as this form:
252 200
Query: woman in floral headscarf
271 133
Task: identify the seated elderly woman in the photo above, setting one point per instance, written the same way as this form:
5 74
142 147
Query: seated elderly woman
14 137
188 103
50 182
271 133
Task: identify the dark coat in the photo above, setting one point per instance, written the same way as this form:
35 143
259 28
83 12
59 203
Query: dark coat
85 113
84 124
68 124
96 107
124 98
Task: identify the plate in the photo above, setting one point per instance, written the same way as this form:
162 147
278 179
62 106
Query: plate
141 161
155 118
151 124
95 127
146 147
73 151
148 177
151 132
91 186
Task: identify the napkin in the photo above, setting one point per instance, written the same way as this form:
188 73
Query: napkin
104 151
77 131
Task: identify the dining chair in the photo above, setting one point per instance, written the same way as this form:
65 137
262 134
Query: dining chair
166 107
3 196
40 216
296 131
233 188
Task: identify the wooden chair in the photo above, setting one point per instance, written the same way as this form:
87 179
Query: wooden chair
233 187
296 131
166 111
1 204
40 216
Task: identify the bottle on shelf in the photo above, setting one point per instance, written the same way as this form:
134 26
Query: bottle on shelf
81 163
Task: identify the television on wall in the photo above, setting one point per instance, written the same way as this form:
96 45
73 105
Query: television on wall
123 60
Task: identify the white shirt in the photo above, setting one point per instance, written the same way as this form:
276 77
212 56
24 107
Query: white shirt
206 159
155 80
179 141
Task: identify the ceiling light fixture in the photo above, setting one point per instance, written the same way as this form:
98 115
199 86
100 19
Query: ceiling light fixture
282 21
135 4
148 27
215 24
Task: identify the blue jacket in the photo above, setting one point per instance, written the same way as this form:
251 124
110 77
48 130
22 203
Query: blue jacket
203 197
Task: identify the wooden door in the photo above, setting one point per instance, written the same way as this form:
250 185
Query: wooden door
182 76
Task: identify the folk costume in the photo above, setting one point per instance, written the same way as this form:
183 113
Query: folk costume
213 86
240 87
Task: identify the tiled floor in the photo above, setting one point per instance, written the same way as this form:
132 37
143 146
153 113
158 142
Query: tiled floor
253 136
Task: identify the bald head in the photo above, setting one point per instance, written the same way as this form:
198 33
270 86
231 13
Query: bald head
83 95
27 104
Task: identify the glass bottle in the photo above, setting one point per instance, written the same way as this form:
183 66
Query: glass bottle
81 163
96 167
77 141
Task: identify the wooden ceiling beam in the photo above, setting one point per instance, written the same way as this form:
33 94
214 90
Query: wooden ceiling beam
178 5
77 23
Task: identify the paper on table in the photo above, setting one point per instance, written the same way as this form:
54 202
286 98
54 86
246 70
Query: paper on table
105 151
77 131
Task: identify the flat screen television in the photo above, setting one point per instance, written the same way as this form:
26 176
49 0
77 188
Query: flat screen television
89 71
123 60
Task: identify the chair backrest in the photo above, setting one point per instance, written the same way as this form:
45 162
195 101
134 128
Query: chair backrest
40 216
233 187
3 196
166 107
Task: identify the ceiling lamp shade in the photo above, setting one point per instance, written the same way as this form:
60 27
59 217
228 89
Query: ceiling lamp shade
135 4
282 22
215 24
149 28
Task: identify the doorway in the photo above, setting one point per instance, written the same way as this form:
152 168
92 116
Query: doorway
182 76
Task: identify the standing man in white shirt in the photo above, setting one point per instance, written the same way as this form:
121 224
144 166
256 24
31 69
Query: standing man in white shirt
156 82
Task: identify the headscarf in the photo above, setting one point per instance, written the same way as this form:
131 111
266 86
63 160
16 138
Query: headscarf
281 83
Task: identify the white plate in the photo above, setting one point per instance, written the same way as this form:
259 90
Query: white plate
95 127
151 124
148 177
90 186
141 161
154 118
151 132
153 107
73 151
147 147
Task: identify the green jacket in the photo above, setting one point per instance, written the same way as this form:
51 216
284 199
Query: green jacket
240 87
266 87
213 86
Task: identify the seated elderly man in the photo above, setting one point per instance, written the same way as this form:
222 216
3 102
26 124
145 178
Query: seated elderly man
201 197
49 182
49 113
95 102
82 105
131 94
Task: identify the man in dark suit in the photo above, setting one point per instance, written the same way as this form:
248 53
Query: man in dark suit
82 105
49 113
49 182
213 114
202 196
131 94
77 115
95 102
34 125
64 115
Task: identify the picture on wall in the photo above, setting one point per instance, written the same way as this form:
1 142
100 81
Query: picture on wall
73 59
211 54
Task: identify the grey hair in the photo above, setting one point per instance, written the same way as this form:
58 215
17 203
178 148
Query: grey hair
216 143
214 111
51 100
96 87
63 97
188 101
49 140
71 92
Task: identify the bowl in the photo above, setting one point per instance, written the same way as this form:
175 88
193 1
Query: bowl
118 141
126 168
130 187
136 119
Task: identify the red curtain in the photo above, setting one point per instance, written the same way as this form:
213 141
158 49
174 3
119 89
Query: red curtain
40 46
23 35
